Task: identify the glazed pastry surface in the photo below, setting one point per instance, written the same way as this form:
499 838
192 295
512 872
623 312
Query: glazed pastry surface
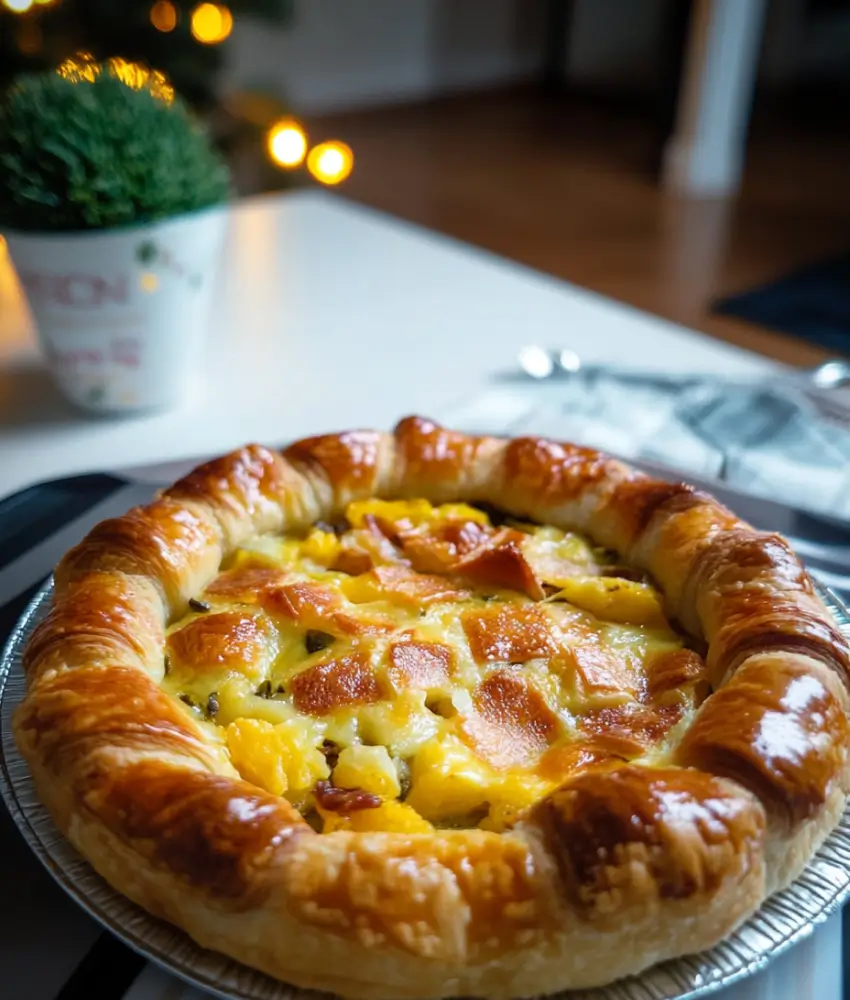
421 714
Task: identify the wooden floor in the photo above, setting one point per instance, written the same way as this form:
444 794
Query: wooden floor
570 190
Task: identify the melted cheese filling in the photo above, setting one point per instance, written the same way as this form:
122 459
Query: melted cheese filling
419 667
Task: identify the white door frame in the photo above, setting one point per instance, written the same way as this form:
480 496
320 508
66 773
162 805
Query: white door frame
704 157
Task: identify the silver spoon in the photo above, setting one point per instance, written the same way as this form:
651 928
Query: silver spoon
541 364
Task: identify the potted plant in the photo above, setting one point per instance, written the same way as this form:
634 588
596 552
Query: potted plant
111 198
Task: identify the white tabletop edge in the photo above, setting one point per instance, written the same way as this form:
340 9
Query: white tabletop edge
329 315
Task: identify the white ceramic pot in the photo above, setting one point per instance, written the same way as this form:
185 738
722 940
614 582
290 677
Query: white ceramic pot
121 313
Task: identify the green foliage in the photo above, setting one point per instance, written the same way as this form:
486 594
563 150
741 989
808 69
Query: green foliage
91 154
50 32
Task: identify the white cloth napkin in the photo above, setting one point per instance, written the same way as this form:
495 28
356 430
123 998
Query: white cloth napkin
762 442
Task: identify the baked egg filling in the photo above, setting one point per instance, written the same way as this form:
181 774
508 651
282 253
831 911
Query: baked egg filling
416 666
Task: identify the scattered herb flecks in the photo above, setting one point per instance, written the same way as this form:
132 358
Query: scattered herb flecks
316 640
331 752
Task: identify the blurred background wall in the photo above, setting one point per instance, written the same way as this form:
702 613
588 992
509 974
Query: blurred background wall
337 55
542 129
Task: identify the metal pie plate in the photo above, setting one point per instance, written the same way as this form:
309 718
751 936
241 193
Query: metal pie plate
785 919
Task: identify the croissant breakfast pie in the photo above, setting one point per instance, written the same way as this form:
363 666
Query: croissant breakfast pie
422 714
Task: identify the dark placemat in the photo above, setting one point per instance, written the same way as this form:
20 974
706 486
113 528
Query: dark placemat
52 950
812 303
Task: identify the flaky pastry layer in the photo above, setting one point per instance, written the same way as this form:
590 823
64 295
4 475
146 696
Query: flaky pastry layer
620 867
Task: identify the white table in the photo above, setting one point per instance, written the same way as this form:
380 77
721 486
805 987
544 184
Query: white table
330 315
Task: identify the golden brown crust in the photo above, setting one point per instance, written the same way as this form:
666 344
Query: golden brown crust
597 880
348 463
634 837
779 728
512 633
335 684
627 730
220 639
674 670
221 836
510 724
314 606
164 542
104 618
419 664
744 577
107 713
416 589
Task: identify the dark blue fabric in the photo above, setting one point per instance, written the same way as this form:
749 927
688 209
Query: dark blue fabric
812 303
110 967
107 971
32 514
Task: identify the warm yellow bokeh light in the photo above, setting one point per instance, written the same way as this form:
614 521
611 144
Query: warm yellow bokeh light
82 67
78 68
18 6
148 281
330 162
141 78
164 15
286 143
211 23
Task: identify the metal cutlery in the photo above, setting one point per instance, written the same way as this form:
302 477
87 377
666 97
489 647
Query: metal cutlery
541 364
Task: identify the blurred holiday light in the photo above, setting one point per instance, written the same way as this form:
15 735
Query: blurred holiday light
211 23
330 162
286 143
83 68
164 15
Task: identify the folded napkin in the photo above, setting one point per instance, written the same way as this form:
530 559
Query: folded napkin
767 442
